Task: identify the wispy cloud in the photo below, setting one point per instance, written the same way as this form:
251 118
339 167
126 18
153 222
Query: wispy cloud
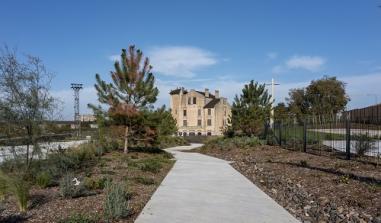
272 55
180 61
309 63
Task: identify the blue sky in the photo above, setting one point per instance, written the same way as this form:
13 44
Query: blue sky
197 44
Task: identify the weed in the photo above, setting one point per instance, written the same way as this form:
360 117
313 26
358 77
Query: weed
344 179
44 179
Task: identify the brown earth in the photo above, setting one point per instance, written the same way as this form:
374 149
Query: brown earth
46 205
311 187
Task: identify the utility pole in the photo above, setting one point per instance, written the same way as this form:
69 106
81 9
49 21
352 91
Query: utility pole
77 118
273 101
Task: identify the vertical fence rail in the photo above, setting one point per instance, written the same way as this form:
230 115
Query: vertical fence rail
340 135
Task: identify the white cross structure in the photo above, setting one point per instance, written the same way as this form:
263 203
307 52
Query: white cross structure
273 101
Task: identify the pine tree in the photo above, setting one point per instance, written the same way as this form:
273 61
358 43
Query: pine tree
131 91
251 110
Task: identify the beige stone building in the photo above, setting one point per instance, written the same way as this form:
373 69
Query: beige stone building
199 112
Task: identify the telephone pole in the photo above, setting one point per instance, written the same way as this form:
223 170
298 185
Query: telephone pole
77 119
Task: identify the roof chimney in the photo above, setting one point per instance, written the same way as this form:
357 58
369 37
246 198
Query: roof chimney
217 93
207 92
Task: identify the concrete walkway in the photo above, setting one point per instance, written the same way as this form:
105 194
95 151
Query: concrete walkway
203 189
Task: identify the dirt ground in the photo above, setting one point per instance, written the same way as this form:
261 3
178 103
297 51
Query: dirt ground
46 205
311 187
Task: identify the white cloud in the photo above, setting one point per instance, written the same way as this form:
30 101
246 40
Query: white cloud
180 61
310 63
272 55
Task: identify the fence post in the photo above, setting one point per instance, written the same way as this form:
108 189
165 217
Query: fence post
305 136
348 138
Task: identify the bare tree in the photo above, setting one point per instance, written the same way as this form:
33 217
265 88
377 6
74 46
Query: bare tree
25 99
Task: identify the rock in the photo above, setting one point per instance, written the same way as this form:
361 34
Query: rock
377 219
340 210
307 208
298 185
274 191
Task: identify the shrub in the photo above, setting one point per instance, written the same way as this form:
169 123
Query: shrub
303 163
79 218
150 165
235 142
116 204
171 141
95 184
364 144
44 179
68 189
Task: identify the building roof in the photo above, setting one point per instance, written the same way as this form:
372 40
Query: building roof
212 103
177 91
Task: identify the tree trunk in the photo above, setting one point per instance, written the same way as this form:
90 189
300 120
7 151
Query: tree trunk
126 140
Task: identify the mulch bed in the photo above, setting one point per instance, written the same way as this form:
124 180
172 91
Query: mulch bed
311 187
46 205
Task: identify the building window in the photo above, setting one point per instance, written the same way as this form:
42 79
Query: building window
199 133
189 100
209 111
209 122
176 111
209 133
199 112
224 111
199 122
194 100
184 134
185 112
185 123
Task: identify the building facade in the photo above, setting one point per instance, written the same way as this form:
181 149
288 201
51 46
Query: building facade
199 112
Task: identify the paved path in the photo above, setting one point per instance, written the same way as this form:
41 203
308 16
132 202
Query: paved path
203 189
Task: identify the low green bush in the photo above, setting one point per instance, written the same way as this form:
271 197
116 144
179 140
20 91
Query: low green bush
68 189
44 179
171 141
152 165
95 184
116 204
364 144
235 142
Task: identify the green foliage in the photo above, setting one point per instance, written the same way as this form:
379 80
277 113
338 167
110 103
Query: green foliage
321 97
116 204
152 165
95 184
364 144
44 179
79 218
167 141
235 142
16 186
132 90
145 180
251 110
68 189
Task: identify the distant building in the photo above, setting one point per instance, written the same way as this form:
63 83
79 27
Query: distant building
88 118
199 112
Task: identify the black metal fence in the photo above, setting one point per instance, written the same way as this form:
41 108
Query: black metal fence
334 135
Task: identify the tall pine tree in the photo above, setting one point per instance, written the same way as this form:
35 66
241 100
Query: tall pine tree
132 90
251 110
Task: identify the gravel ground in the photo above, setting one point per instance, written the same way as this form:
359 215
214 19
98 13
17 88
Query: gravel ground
313 188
